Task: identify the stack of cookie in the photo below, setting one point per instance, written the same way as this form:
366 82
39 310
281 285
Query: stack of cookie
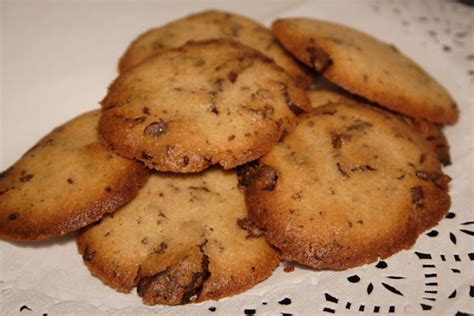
218 152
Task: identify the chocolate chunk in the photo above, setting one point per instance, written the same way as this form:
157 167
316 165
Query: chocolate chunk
200 188
266 178
252 230
295 108
359 126
363 168
297 196
177 284
342 170
232 76
324 110
442 153
417 196
213 108
338 140
156 129
132 121
245 173
439 179
422 158
194 289
145 156
318 58
70 181
12 216
26 178
185 160
88 255
161 248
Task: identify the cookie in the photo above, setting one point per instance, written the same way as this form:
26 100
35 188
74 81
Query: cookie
367 67
66 181
183 239
209 102
351 184
431 132
213 24
320 97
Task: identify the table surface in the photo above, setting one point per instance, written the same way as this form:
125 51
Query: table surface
57 59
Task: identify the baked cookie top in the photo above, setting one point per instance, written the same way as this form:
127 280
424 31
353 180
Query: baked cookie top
183 239
212 24
66 181
367 67
351 184
320 97
209 102
431 132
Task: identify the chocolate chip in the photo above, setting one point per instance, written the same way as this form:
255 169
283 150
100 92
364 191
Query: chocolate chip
297 196
145 156
437 178
185 160
324 110
213 108
363 168
422 158
88 255
161 248
26 178
338 140
232 76
144 241
12 216
359 126
108 189
245 173
70 181
199 188
156 129
252 230
417 196
266 178
146 110
341 170
132 121
295 108
318 58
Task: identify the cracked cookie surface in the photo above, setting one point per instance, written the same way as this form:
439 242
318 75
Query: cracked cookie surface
350 184
66 181
183 239
209 102
213 24
367 67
